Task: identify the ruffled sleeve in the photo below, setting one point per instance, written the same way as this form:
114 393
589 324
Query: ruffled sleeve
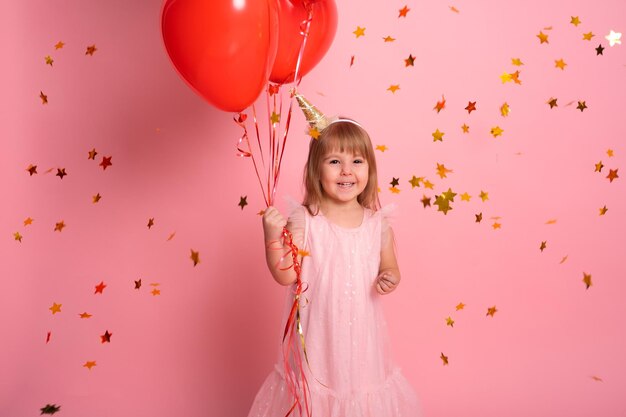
388 214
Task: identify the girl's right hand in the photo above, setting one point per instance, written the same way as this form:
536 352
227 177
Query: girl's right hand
273 224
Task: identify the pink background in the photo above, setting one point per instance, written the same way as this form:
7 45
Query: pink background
205 344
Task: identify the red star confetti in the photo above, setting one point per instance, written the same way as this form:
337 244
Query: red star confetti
90 50
59 45
491 311
32 169
599 167
440 104
351 61
55 308
100 287
403 12
28 221
106 337
359 31
48 337
106 162
410 61
89 364
195 257
272 89
43 97
58 227
612 175
471 106
460 306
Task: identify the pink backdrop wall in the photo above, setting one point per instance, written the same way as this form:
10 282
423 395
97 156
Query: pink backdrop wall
205 344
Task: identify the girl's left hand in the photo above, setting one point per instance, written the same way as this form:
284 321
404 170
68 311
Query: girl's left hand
386 282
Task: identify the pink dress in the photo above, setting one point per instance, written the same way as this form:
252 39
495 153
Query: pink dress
344 327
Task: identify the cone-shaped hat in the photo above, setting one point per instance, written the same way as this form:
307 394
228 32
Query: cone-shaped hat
315 117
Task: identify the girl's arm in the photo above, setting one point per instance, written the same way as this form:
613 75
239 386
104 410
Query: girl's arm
276 253
388 272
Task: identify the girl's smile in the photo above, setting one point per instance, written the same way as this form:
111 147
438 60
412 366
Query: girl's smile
343 176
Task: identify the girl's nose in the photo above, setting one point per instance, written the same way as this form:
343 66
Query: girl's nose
345 170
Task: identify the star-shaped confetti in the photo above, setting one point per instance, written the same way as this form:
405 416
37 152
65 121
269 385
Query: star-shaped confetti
614 38
599 167
403 12
59 45
393 88
425 201
496 131
410 61
84 315
575 21
442 203
155 292
55 308
195 257
612 175
587 280
517 62
460 306
49 60
58 227
100 287
449 321
491 311
106 337
395 182
428 184
444 358
600 50
587 36
438 136
559 63
543 38
454 9
389 39
92 154
609 152
43 97
465 128
479 217
275 118
515 77
28 221
89 364
150 222
50 409
96 198
415 181
603 211
440 104
543 245
32 169
17 236
505 109
394 190
61 172
90 50
506 77
582 105
496 225
442 171
243 201
106 162
471 106
359 31
138 284
314 133
465 197
381 148
552 102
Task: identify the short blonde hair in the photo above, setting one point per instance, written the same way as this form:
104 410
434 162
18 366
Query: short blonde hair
344 136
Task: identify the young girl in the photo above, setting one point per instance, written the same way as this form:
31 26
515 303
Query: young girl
349 262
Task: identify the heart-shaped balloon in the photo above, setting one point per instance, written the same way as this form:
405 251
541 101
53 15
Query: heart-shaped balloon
224 49
293 15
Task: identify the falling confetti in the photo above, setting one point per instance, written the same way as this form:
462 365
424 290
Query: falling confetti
243 201
393 88
150 222
587 280
359 31
442 171
612 175
50 409
106 337
460 306
61 173
58 227
444 358
100 287
438 136
449 321
491 311
55 308
471 106
614 38
106 162
91 50
195 257
403 12
440 104
89 364
43 97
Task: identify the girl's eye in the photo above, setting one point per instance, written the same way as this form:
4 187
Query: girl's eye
334 161
358 161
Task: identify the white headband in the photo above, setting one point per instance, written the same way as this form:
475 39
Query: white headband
345 120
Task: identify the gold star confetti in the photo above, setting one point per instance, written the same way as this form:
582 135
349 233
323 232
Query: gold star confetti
465 128
415 181
609 152
394 190
479 217
314 133
603 211
17 236
428 184
505 109
465 197
389 39
425 201
444 358
90 50
599 167
440 104
496 131
543 38
588 36
49 60
449 321
460 306
96 198
587 280
275 118
28 221
84 315
403 11
559 63
552 102
612 175
59 45
381 148
195 257
89 364
506 77
454 9
614 38
410 61
56 308
438 136
393 88
543 245
303 253
155 292
449 195
92 154
59 226
517 62
491 311
43 97
551 221
442 203
496 225
442 171
575 21
359 31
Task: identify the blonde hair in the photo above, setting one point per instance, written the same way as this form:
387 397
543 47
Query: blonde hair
345 136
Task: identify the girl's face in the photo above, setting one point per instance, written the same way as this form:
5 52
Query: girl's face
343 176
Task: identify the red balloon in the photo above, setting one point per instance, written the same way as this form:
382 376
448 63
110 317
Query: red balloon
224 49
292 14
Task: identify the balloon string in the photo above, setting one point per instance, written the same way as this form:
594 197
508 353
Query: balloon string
240 119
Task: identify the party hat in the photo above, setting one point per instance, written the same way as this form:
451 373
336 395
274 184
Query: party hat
315 117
